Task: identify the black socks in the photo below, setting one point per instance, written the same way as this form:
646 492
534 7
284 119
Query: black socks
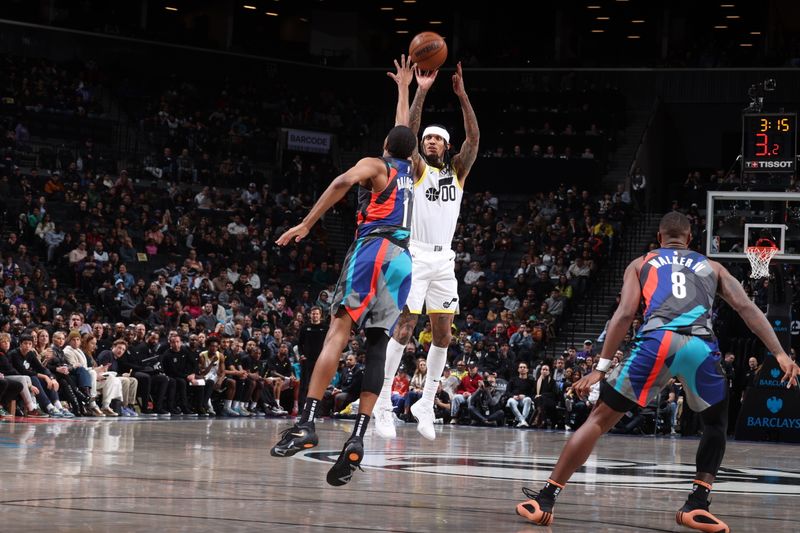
551 490
700 493
309 411
361 426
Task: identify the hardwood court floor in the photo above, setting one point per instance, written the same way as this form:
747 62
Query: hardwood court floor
217 475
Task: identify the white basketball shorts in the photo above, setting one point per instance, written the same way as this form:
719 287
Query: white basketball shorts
433 279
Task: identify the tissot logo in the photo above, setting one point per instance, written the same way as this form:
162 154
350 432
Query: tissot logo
609 473
770 164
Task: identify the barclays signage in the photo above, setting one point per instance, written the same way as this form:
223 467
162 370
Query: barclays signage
770 411
772 380
774 405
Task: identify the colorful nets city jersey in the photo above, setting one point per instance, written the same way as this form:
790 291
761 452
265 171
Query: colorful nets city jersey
676 339
376 274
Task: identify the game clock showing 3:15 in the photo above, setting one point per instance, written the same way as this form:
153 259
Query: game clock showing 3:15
768 142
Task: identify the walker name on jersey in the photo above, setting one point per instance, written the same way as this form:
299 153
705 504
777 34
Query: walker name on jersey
688 262
607 473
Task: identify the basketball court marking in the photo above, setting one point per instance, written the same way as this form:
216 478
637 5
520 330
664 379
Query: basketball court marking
628 474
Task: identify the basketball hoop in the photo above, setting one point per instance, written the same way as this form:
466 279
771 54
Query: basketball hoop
760 256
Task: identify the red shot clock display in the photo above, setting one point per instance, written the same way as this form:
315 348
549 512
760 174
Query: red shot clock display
768 142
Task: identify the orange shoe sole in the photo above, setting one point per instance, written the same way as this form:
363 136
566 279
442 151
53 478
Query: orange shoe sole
701 520
531 511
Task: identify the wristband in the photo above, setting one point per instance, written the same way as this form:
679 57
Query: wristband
603 365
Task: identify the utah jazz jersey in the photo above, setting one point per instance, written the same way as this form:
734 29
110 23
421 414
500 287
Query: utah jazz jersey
437 203
678 287
388 213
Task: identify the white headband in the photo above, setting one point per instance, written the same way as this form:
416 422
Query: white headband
437 130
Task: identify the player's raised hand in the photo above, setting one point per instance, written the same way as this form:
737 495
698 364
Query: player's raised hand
295 234
405 71
790 371
425 78
458 81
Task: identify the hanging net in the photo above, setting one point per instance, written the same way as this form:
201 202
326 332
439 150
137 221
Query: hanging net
760 256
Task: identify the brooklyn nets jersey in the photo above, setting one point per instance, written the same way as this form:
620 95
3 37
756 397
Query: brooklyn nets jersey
437 203
678 287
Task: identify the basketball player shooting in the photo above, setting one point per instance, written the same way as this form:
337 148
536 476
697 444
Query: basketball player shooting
438 189
676 340
375 280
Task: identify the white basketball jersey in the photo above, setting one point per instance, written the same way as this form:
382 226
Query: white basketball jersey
437 203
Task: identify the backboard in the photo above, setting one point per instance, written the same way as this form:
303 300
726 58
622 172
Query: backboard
735 220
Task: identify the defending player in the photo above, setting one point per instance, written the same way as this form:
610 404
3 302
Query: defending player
676 339
438 189
375 280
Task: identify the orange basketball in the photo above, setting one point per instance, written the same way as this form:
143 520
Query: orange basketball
428 50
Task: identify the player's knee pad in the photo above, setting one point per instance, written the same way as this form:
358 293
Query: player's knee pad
377 339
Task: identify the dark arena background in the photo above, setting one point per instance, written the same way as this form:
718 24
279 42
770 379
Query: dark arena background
153 151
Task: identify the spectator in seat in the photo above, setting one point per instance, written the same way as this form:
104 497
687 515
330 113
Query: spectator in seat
211 364
441 405
450 382
350 382
26 363
544 399
60 368
576 406
28 392
415 387
473 274
140 361
510 300
425 336
555 303
10 391
281 367
521 394
485 405
558 373
578 274
234 369
107 382
400 385
467 387
86 376
587 351
110 359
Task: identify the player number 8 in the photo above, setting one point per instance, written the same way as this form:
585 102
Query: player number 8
679 285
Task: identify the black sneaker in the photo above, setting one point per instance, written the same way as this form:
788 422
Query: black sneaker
297 438
342 470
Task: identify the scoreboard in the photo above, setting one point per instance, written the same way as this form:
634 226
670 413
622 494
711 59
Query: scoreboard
769 142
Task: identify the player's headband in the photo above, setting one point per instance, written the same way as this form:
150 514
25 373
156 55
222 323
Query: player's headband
437 130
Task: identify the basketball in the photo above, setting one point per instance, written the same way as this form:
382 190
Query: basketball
428 50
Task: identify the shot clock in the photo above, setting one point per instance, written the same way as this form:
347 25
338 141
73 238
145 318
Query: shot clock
768 142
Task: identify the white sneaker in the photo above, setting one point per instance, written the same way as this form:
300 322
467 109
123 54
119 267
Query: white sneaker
384 421
522 424
424 415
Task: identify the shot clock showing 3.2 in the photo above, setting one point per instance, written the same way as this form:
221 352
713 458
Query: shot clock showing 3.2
769 142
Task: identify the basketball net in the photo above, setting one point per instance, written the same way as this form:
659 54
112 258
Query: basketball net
760 255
